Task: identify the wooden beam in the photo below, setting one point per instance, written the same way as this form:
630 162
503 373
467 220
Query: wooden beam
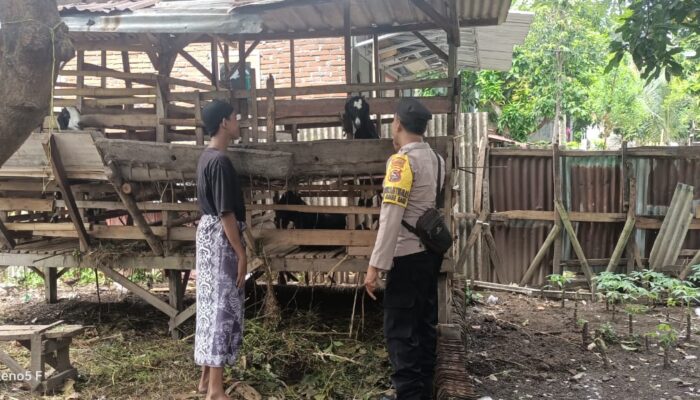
6 238
253 108
440 20
556 179
198 131
193 61
61 177
271 110
215 64
316 209
347 50
553 234
621 244
115 177
432 46
147 296
183 316
317 237
575 243
51 285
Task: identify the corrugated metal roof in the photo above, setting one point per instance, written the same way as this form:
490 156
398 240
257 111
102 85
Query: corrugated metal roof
105 6
274 18
483 47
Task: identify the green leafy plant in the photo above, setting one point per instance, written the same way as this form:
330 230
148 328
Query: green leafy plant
607 333
632 310
667 337
617 288
561 280
686 295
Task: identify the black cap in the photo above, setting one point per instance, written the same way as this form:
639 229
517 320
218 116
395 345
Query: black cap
413 115
215 112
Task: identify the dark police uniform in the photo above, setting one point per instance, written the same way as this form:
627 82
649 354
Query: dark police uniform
410 299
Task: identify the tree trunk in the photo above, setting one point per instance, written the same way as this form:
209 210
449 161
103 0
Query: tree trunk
28 53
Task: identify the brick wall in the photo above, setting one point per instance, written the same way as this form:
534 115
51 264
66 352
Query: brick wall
318 62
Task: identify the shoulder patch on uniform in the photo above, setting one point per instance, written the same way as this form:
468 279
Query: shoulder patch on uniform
398 180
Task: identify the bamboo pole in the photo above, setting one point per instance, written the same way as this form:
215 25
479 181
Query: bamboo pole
575 243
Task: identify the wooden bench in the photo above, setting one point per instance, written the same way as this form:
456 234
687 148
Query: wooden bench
47 344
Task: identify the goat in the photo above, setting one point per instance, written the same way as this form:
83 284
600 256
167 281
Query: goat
356 120
69 119
302 220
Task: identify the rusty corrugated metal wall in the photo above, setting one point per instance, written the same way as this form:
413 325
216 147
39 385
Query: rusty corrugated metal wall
522 180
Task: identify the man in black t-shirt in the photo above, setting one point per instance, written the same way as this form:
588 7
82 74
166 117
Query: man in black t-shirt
221 257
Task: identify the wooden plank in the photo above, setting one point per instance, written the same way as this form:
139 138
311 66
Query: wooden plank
26 204
139 291
100 72
336 106
480 171
180 262
143 206
102 92
575 243
154 243
59 173
318 237
316 209
271 110
553 234
119 121
36 363
215 64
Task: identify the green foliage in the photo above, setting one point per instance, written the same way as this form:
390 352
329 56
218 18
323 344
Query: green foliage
594 87
695 276
607 333
29 279
654 33
472 297
636 309
666 334
561 280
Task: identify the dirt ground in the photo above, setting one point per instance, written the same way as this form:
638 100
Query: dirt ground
127 353
528 348
519 348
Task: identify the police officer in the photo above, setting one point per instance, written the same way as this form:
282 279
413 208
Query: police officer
410 299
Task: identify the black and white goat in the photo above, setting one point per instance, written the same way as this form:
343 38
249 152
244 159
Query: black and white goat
69 119
300 220
356 120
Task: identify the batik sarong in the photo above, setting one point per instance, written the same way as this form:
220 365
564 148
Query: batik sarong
220 304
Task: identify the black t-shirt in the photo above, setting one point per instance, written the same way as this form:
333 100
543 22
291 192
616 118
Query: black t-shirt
218 187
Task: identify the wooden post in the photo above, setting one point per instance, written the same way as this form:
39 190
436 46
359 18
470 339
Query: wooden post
51 285
242 56
293 82
103 59
80 80
160 112
377 63
271 137
153 241
126 67
175 285
198 130
348 42
215 65
556 176
253 137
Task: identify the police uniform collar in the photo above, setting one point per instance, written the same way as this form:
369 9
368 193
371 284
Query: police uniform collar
413 145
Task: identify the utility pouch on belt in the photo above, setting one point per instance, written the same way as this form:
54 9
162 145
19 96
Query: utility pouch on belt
431 228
